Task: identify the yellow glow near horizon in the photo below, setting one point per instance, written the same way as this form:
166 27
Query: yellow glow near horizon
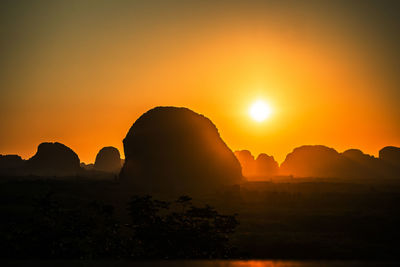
260 111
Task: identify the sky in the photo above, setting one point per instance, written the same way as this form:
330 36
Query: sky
82 72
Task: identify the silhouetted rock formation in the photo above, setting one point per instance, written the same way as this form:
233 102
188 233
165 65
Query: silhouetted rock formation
53 159
87 167
108 159
366 165
170 149
262 167
247 162
10 161
266 165
390 154
315 161
321 161
356 154
11 164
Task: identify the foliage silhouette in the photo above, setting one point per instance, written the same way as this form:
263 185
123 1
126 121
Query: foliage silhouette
303 219
91 231
61 232
179 229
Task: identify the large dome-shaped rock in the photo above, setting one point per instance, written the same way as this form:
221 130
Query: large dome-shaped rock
170 149
108 159
390 154
54 159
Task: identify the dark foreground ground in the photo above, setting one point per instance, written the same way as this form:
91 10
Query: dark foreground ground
304 219
206 263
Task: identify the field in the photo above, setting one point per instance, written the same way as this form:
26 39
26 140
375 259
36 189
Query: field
302 219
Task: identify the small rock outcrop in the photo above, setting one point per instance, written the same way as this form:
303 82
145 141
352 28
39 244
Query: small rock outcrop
390 154
263 167
108 160
11 164
53 159
87 167
171 149
266 165
10 161
247 162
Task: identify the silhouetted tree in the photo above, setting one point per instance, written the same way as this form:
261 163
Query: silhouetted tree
157 229
60 232
179 229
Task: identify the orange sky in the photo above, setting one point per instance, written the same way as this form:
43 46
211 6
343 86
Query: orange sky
82 72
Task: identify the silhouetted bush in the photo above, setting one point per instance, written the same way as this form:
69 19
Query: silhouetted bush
157 229
179 229
60 232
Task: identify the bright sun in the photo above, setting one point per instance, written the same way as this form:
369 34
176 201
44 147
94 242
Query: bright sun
259 111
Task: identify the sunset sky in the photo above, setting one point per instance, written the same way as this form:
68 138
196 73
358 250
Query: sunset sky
81 72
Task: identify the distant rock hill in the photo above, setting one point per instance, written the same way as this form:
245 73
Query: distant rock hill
391 155
266 165
247 162
53 159
175 149
262 167
10 161
11 164
322 161
309 161
87 167
108 160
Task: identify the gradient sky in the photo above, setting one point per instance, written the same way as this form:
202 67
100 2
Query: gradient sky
81 72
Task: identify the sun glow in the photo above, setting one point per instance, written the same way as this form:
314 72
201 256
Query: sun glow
260 111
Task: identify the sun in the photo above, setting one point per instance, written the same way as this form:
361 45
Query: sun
260 111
